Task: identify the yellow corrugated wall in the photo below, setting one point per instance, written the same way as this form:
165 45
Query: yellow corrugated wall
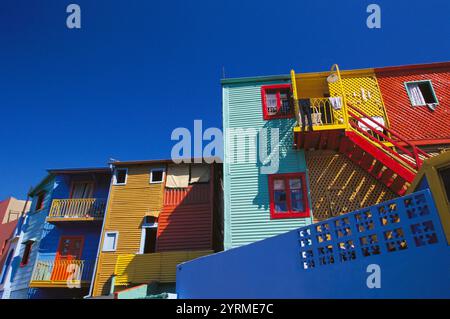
127 206
139 269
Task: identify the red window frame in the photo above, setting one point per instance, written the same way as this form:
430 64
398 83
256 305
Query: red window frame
26 254
278 88
289 213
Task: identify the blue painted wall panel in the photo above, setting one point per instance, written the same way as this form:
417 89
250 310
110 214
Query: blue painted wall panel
278 267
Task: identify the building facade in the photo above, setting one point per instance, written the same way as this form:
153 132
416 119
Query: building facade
159 214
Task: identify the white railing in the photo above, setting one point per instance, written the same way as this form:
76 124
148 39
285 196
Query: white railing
78 208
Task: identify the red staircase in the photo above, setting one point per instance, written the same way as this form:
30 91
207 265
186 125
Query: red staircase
380 151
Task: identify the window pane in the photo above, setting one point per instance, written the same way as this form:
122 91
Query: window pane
427 92
121 175
280 195
271 102
110 242
285 103
297 199
157 176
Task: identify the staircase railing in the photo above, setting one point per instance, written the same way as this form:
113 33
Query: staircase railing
379 134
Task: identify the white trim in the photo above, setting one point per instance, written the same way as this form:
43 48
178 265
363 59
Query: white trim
159 169
115 176
114 248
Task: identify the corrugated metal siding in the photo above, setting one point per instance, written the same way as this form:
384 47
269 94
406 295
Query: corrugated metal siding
185 222
142 269
247 216
32 229
128 204
416 122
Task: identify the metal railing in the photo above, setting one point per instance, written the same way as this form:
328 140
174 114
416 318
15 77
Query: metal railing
53 270
323 113
379 134
78 208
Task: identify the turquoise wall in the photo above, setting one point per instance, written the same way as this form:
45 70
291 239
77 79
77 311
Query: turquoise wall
247 213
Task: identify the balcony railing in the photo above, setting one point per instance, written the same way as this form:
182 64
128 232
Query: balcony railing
83 208
55 273
325 114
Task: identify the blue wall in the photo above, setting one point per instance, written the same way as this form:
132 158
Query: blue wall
281 266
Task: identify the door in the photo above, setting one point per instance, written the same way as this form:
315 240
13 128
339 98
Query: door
69 252
82 190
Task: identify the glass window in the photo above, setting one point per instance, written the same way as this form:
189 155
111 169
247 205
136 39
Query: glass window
120 176
288 195
110 241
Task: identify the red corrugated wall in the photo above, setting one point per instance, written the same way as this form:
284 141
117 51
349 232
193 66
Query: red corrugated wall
419 122
185 222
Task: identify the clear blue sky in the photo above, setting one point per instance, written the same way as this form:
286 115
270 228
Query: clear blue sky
138 69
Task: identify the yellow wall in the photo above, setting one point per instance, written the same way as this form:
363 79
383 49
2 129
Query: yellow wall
161 267
127 206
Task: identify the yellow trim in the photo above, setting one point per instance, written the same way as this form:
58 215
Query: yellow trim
429 170
323 127
294 92
55 284
78 219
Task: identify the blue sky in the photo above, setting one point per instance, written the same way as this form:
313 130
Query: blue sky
138 69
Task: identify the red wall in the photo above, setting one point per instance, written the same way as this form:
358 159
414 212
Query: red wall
185 222
419 122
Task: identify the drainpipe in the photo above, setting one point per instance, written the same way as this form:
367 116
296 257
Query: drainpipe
91 288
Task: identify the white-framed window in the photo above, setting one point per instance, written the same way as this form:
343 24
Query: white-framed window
149 235
157 175
421 93
110 241
120 176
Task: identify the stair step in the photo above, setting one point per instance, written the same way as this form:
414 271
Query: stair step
367 162
398 186
377 170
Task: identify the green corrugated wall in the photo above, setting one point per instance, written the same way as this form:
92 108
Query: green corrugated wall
247 215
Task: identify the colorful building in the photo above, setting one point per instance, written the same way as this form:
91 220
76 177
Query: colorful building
158 215
27 239
71 232
417 102
376 252
12 212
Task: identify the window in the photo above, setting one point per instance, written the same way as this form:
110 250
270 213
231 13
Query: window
149 235
156 175
26 253
288 196
110 241
40 201
421 93
445 176
82 190
120 176
277 101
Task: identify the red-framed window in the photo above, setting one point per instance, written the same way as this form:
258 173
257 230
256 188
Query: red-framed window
288 196
40 201
277 101
26 253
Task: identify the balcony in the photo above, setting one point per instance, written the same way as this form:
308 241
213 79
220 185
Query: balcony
82 209
62 273
324 115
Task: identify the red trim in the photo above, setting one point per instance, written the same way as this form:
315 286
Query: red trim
437 65
290 213
278 88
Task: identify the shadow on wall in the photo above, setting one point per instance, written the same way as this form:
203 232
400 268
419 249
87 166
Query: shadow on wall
287 157
339 186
